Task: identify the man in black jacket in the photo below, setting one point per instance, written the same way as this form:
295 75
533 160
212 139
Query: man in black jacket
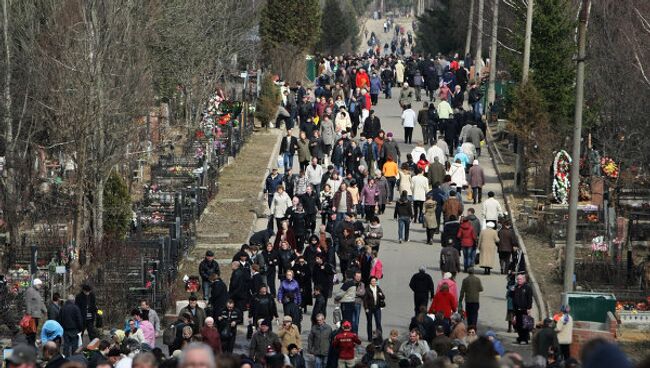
228 321
207 267
239 286
288 148
218 295
263 307
311 204
371 126
522 301
85 300
72 323
423 288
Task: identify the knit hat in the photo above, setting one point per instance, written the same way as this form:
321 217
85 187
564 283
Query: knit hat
446 275
389 134
37 282
347 325
475 162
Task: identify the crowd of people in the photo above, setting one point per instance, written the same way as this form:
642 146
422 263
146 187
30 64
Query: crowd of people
323 244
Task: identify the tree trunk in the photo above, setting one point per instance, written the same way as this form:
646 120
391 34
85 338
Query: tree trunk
493 53
478 59
470 27
10 195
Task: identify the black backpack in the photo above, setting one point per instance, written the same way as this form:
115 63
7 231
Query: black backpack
169 335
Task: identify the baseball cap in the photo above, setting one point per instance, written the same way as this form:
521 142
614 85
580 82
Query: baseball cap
287 319
347 325
22 354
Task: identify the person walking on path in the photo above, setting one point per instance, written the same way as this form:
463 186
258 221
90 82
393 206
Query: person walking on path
423 120
423 288
314 173
34 307
487 245
318 341
564 329
408 123
85 300
470 291
522 301
288 148
492 208
403 215
271 184
345 342
430 223
419 188
436 172
280 203
468 241
207 267
449 260
476 181
289 334
261 340
373 301
507 243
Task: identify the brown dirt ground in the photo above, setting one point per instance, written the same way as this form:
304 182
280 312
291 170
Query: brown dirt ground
241 181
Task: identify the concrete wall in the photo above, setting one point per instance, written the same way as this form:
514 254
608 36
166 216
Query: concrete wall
584 331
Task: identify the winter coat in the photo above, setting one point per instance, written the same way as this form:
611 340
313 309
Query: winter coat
391 149
369 195
287 286
34 305
451 207
303 276
430 214
422 284
466 235
399 72
507 240
345 342
71 319
373 235
522 297
405 183
323 276
369 302
403 209
87 305
449 260
491 209
476 224
259 343
263 307
218 296
303 150
280 204
476 177
377 269
327 132
470 289
420 187
436 172
318 341
375 86
272 183
198 317
206 268
457 173
289 336
487 244
348 201
444 302
475 135
382 185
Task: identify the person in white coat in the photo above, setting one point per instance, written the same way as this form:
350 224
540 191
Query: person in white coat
492 209
457 173
399 73
435 151
418 150
419 187
279 205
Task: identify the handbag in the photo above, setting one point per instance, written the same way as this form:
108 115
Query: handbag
226 333
28 325
527 322
249 331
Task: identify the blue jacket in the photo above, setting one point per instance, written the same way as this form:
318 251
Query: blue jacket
272 184
375 85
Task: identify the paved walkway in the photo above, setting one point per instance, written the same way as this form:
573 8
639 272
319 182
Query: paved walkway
401 261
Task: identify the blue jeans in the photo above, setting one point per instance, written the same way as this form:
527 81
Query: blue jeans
388 93
403 228
347 312
288 161
206 289
320 361
356 317
468 257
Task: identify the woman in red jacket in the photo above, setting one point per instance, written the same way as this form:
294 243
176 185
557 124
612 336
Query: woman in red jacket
467 242
444 302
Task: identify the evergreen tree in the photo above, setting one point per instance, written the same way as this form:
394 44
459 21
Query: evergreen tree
289 28
268 102
551 53
334 28
117 207
438 30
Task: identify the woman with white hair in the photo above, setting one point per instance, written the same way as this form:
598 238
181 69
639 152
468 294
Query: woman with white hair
210 335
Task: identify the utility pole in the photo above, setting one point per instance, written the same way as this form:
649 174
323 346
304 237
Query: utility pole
570 251
479 40
493 53
470 27
519 152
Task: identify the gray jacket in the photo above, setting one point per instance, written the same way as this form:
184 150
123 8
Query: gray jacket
475 135
34 305
259 343
318 342
327 131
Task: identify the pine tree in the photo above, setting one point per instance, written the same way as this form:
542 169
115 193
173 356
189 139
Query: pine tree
552 50
438 30
117 207
334 28
268 102
289 28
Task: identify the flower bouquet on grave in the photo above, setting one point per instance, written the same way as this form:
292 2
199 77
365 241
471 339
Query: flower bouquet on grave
609 167
599 247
